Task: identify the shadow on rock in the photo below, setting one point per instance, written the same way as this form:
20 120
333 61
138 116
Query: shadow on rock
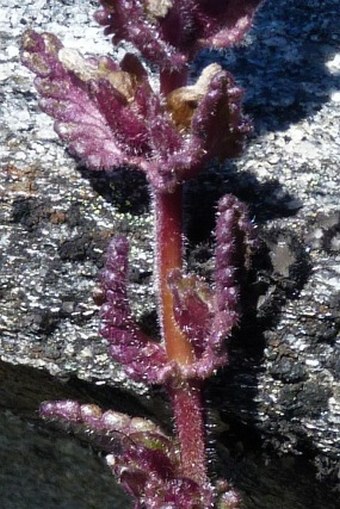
283 68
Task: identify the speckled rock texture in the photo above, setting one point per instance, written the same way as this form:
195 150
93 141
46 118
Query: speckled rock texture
281 392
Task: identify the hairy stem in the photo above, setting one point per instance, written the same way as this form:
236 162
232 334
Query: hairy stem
186 396
169 255
188 412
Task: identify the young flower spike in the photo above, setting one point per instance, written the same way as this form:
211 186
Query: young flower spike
109 115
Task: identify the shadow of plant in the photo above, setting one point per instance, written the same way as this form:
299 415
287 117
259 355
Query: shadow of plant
283 68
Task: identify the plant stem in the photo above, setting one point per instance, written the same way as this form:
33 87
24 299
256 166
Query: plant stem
169 256
188 412
186 395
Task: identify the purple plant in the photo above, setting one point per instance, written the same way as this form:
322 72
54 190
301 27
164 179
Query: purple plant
109 115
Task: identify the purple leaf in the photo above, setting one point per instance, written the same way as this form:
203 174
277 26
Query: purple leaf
220 112
65 82
109 115
194 311
235 244
144 460
133 21
205 316
212 105
155 483
169 32
181 148
142 358
193 307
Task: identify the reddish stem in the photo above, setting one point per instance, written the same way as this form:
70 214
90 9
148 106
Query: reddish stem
188 412
169 255
186 395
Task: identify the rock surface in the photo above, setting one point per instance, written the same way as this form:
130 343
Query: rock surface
282 385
